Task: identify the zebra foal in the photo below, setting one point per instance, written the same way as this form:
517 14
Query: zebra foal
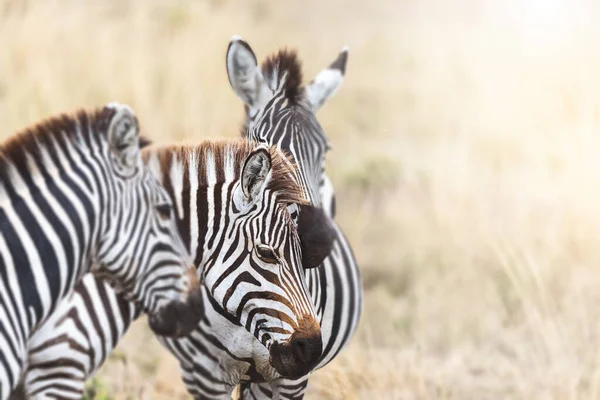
75 197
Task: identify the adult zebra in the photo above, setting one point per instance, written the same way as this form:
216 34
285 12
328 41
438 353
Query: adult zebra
244 219
282 113
76 197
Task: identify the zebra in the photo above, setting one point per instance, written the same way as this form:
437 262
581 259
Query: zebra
280 112
75 197
246 222
222 352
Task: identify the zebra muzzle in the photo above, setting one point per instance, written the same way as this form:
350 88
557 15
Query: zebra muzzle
179 317
299 355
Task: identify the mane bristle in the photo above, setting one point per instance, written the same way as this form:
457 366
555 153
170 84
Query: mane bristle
285 64
283 169
30 141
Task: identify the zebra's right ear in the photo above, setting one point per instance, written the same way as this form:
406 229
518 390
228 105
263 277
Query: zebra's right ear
123 135
245 76
327 82
255 173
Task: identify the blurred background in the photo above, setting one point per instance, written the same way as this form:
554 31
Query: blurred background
466 159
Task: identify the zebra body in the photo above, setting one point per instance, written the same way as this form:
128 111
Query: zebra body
243 217
67 348
74 193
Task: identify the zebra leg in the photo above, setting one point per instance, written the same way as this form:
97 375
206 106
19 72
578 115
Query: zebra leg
281 389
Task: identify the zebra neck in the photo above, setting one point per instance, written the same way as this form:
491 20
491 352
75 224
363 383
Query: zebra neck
309 180
204 217
49 215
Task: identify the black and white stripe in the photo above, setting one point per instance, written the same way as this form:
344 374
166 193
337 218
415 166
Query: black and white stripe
224 350
243 217
282 113
74 193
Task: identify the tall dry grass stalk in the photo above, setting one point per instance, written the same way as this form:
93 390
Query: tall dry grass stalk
466 158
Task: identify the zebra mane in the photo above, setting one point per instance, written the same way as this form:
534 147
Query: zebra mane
57 130
228 156
284 65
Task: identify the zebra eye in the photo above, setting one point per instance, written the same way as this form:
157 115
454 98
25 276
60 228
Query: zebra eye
266 254
164 211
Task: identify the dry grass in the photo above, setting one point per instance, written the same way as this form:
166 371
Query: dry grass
465 135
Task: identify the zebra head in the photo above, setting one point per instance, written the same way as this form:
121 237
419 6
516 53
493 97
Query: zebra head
279 111
269 296
247 222
140 251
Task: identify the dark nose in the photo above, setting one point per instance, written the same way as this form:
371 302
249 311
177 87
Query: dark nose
178 318
300 354
306 349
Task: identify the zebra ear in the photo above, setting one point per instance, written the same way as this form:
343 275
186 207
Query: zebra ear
245 76
317 234
327 81
123 135
254 174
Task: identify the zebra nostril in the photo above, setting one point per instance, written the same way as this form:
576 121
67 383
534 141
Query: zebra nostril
298 356
305 349
301 348
265 339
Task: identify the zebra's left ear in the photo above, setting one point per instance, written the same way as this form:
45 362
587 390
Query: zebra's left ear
255 173
327 81
317 234
123 135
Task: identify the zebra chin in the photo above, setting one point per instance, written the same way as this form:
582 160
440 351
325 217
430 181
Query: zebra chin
300 354
178 318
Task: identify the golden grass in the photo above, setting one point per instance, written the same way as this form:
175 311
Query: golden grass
466 159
